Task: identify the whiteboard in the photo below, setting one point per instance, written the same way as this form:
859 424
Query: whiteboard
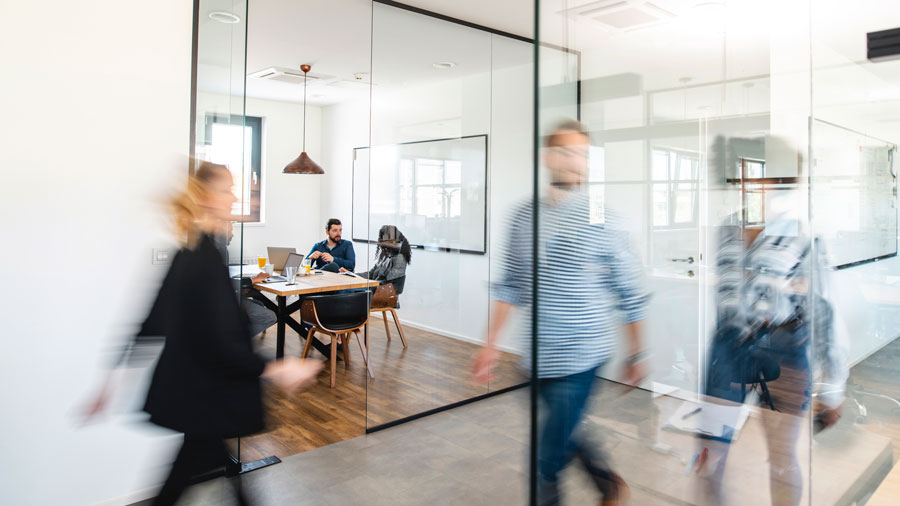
434 191
854 195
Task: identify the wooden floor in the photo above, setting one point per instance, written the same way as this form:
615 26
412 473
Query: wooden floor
432 372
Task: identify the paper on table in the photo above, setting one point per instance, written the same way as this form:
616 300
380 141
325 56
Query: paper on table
661 389
243 270
714 420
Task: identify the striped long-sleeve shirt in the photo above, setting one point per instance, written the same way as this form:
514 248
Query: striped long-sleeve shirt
589 282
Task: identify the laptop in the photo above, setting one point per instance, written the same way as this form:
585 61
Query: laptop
277 256
292 260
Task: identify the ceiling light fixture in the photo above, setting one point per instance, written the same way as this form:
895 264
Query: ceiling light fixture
303 164
224 17
443 65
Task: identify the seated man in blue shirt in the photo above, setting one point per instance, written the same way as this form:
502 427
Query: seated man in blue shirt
332 254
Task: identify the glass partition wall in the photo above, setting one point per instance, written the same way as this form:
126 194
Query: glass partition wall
735 179
449 161
853 176
428 148
430 126
220 132
449 137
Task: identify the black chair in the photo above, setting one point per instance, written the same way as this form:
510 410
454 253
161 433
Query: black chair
385 300
337 316
759 368
745 364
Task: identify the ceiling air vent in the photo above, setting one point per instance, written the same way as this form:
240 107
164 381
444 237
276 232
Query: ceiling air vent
623 15
286 75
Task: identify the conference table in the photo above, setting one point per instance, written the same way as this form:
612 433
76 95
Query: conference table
316 283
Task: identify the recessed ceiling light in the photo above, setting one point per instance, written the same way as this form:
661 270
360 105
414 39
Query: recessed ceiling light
224 17
443 65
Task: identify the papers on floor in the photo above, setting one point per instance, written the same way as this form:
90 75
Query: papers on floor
718 421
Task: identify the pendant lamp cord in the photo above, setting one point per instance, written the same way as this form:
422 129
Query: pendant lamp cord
304 110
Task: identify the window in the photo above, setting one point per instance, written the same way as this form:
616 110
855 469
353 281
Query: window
236 142
674 188
753 196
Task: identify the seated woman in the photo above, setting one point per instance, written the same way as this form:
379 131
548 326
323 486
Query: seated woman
391 257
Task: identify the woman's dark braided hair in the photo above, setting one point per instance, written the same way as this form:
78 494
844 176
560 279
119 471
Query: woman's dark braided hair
390 233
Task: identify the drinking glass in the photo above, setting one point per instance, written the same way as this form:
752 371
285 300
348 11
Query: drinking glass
261 261
307 265
289 273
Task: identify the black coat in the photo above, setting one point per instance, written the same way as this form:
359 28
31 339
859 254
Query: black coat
207 379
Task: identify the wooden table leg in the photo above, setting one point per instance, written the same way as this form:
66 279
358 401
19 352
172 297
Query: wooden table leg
282 316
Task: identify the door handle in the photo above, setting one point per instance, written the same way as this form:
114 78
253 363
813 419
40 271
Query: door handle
688 260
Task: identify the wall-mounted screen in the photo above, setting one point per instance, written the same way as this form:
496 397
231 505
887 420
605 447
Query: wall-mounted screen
435 191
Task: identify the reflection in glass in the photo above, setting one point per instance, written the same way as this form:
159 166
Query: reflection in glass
685 208
440 168
660 205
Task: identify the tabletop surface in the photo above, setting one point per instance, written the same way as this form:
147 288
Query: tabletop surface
316 283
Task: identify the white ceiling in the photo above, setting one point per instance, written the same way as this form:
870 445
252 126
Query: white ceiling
512 16
336 38
333 36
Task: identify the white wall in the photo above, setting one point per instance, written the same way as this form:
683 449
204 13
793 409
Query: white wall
100 101
291 202
344 127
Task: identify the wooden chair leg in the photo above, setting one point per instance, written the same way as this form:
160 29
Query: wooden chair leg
333 359
387 328
345 345
399 328
364 352
308 345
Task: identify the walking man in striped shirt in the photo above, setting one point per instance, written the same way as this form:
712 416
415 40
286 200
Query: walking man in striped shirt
589 283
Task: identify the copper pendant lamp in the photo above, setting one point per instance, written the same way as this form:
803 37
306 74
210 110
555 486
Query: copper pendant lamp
303 164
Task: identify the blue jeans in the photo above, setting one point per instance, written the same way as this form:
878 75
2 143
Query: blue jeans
565 399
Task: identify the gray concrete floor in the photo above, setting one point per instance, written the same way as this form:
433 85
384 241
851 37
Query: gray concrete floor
473 455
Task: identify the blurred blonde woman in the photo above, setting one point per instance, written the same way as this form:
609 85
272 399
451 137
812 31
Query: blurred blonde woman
207 381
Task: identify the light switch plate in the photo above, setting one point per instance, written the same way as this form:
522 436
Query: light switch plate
161 256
